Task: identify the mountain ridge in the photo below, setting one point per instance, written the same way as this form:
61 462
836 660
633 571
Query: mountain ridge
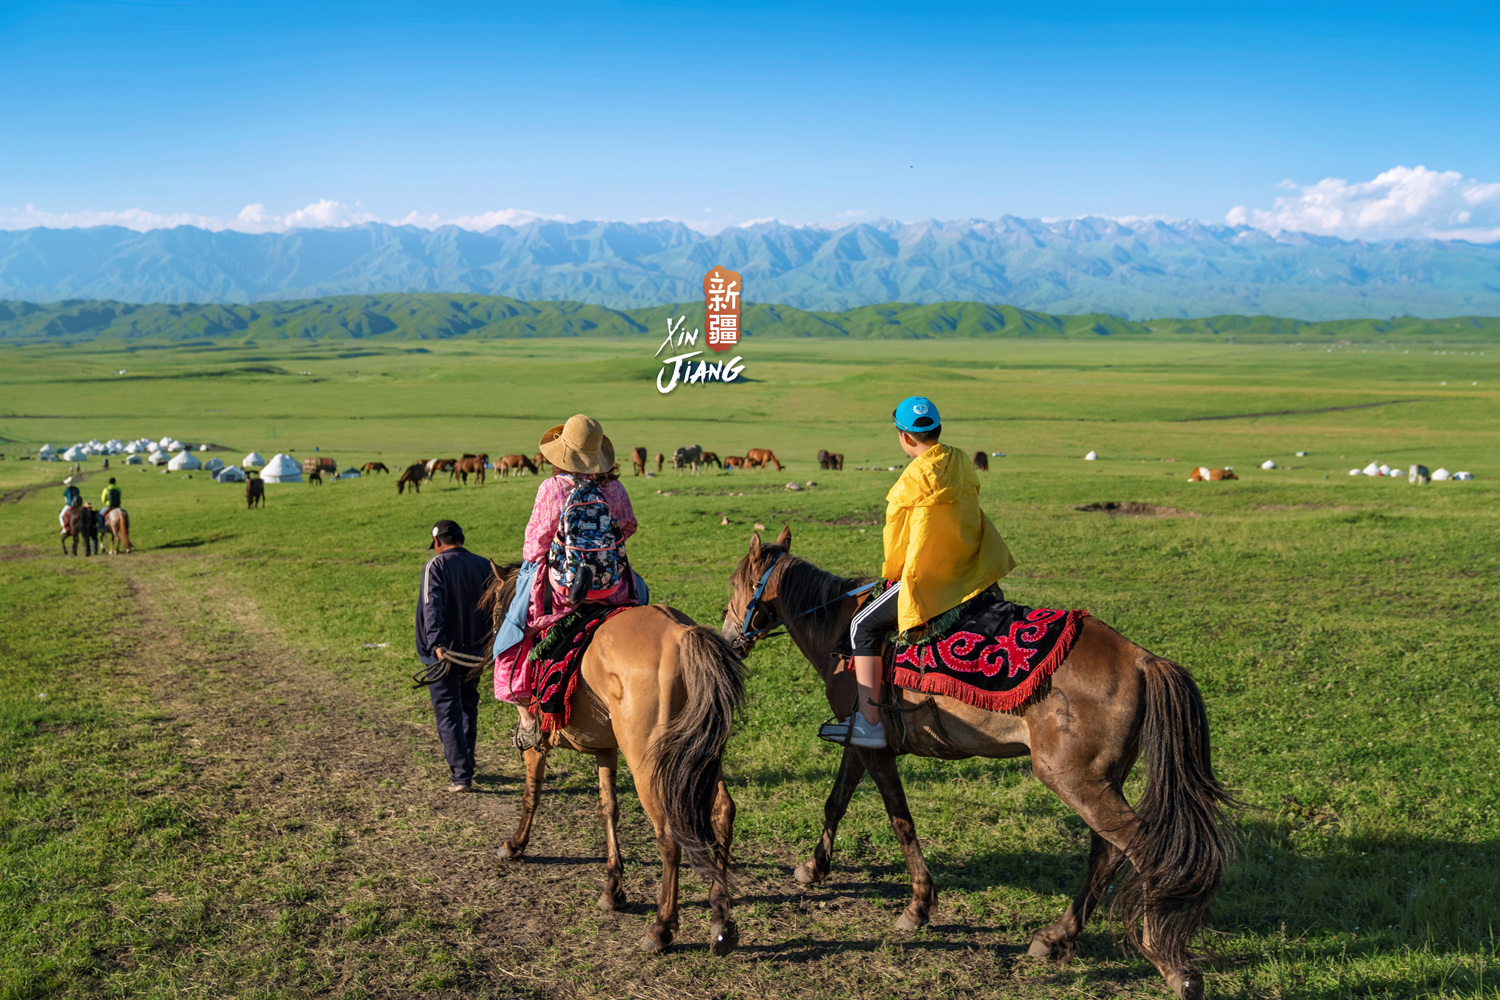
406 316
1138 269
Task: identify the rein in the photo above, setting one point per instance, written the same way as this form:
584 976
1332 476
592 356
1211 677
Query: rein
747 633
473 665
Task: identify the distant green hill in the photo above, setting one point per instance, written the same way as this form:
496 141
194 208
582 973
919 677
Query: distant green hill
431 316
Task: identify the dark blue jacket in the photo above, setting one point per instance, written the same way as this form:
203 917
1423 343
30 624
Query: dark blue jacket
448 612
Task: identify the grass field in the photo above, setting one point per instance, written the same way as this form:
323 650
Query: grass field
214 780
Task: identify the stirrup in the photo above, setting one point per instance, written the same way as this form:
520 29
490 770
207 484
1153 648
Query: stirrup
525 738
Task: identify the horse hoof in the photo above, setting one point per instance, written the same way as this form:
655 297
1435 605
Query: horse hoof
807 873
1040 947
508 853
611 901
650 946
1189 986
909 923
725 937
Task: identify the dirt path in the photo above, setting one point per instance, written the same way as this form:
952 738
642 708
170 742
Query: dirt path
334 811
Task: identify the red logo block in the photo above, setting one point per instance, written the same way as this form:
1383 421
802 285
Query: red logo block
721 301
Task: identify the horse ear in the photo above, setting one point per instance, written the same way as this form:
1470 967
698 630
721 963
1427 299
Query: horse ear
754 546
785 538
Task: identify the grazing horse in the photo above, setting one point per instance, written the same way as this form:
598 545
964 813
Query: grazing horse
315 477
255 492
736 462
507 465
825 458
981 461
1203 474
659 459
117 523
663 691
1107 702
711 458
540 460
688 458
371 467
413 476
762 457
75 525
638 461
470 464
437 465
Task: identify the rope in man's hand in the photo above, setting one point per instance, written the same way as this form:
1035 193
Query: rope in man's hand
447 660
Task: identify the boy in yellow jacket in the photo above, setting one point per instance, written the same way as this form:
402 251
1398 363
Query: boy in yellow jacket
940 550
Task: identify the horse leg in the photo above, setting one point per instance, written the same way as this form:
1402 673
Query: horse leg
536 769
724 933
882 767
609 815
664 927
851 770
1058 942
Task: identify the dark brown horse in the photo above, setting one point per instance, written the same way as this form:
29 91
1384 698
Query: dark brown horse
507 465
255 492
413 476
370 467
315 477
1108 701
660 458
638 461
762 457
76 524
539 460
736 462
470 465
712 458
663 691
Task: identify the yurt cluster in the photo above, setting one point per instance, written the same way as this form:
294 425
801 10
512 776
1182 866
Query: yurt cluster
176 456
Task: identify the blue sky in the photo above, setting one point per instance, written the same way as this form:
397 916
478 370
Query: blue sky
317 113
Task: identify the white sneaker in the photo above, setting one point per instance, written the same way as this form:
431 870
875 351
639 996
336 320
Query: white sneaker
854 731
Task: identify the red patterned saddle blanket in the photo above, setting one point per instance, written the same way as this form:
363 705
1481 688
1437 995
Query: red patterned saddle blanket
987 652
555 659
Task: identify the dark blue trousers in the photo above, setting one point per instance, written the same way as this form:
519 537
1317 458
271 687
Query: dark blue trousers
456 706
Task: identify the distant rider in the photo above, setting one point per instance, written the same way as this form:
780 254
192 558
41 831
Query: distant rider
110 498
72 496
940 550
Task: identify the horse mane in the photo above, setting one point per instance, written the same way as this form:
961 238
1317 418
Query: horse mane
802 585
500 592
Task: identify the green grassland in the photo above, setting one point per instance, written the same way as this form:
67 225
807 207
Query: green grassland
434 316
1342 629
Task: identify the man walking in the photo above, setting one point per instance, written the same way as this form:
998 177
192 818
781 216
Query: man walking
449 621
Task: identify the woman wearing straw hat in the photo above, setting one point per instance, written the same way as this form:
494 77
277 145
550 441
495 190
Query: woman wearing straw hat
580 454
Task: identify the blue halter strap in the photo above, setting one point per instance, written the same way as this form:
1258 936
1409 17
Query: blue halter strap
747 632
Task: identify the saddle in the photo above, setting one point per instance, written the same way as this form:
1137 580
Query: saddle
552 665
987 652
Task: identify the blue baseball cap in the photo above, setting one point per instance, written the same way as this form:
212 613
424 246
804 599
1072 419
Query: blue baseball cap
916 415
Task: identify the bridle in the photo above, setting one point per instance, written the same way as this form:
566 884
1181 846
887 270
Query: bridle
750 635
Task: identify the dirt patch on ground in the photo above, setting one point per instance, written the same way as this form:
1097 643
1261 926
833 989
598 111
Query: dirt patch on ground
1131 508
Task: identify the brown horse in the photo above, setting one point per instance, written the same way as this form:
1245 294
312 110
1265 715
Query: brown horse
638 461
255 492
117 522
507 465
470 465
540 460
762 457
710 457
663 691
370 467
660 458
1107 702
75 525
413 476
736 462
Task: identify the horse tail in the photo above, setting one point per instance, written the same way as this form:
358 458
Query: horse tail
1179 851
687 756
122 540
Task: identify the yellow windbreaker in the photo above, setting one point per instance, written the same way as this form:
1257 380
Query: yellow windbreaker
938 543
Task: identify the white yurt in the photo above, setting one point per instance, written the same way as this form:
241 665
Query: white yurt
1092 456
1373 469
203 447
134 447
157 458
46 451
1268 464
282 469
232 474
184 461
1465 476
75 454
133 459
253 460
213 465
1441 474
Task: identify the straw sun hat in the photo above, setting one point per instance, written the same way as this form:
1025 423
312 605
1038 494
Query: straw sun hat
579 446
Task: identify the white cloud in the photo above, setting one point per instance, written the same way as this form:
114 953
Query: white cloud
326 213
1402 202
32 217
